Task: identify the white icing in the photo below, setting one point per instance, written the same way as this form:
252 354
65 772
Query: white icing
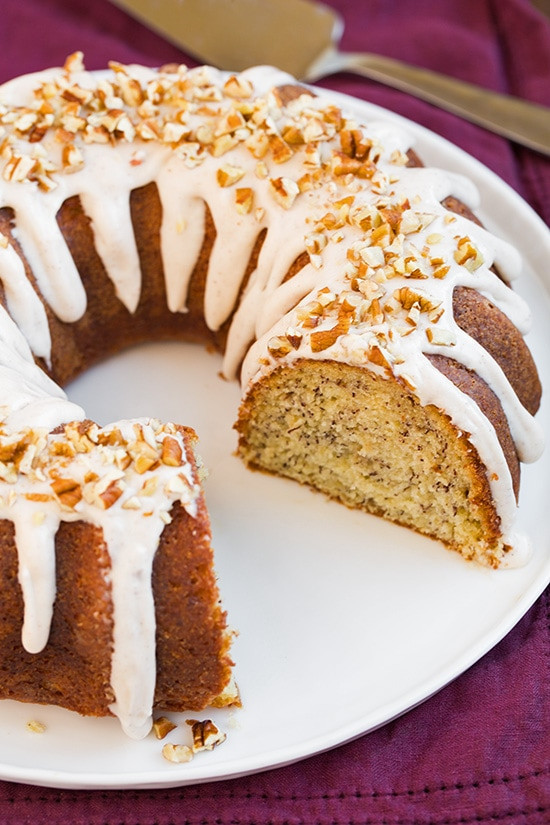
48 254
36 573
186 178
23 304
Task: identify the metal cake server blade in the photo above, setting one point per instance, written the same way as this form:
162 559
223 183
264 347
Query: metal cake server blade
302 37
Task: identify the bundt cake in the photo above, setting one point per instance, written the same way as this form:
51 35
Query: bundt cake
381 349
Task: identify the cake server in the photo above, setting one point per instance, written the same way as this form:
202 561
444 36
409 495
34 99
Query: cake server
302 38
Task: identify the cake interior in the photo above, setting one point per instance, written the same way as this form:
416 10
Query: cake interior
368 443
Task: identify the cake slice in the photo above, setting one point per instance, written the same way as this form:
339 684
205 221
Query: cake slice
114 609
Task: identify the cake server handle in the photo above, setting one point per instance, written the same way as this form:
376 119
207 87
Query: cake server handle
521 121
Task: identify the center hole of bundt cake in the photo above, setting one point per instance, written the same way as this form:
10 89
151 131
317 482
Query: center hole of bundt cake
172 381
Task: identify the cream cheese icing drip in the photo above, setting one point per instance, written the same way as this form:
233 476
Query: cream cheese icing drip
384 259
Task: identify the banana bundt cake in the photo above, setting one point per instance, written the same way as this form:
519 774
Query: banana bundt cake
368 312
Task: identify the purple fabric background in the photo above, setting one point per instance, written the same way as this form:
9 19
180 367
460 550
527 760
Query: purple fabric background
479 751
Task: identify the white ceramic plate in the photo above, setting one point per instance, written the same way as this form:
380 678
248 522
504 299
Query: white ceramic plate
335 608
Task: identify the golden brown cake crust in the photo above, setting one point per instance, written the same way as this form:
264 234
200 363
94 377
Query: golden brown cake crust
491 328
74 668
476 388
193 660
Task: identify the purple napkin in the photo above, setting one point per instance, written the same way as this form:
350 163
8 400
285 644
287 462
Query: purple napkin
478 751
